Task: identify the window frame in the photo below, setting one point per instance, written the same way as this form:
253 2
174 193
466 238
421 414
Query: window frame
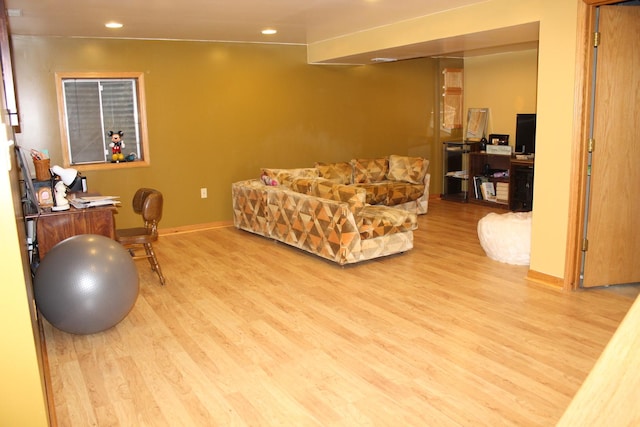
142 116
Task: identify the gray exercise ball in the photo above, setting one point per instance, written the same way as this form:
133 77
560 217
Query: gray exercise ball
86 284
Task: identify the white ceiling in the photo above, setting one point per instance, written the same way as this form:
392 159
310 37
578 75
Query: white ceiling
297 21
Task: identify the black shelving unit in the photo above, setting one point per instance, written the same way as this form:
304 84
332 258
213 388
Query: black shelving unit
455 166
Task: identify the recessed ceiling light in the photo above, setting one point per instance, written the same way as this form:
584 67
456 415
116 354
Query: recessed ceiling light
113 25
269 31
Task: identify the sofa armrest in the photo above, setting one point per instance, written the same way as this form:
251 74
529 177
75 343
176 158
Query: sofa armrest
249 209
377 221
423 202
321 226
427 182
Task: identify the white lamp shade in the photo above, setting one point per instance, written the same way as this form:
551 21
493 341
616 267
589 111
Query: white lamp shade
67 175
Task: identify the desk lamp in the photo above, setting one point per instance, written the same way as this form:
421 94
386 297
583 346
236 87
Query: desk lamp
68 178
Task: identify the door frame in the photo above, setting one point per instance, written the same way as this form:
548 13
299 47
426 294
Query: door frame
578 186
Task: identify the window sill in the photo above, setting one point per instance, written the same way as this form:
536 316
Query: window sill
110 166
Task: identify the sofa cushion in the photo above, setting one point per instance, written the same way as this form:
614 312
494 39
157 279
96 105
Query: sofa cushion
285 176
407 169
339 172
377 192
302 185
326 189
403 192
369 170
377 221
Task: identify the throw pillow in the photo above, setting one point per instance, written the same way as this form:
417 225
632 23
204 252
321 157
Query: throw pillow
339 172
366 171
407 169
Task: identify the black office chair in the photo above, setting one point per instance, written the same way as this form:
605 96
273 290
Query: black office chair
148 203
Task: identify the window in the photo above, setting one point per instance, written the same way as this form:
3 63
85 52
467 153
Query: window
90 106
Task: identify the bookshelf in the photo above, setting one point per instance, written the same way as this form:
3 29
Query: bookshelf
510 178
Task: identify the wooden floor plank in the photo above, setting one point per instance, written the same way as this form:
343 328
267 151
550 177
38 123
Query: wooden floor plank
252 332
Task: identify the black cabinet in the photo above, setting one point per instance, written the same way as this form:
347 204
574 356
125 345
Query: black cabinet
521 197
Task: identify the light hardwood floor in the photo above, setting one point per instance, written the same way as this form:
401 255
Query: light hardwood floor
252 332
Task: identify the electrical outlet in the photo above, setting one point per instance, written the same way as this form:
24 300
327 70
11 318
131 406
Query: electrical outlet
203 193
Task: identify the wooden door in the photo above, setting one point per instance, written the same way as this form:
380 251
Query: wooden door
612 231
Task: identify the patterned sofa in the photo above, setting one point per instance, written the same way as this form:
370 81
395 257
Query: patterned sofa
312 210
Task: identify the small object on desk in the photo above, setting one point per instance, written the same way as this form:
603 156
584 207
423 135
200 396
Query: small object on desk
39 155
42 168
93 201
499 149
60 196
498 139
45 198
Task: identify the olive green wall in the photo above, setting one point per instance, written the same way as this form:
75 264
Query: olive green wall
217 112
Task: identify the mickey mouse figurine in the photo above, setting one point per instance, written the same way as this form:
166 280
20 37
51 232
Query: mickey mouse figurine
116 146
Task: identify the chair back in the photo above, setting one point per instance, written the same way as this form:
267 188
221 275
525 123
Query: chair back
152 210
138 199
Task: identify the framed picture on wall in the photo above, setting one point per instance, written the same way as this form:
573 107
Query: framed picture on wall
477 121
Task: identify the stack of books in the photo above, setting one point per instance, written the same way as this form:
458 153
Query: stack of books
93 201
484 189
488 191
502 193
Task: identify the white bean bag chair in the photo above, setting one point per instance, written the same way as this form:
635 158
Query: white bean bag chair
506 237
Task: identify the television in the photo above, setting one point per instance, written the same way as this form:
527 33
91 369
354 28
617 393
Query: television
525 133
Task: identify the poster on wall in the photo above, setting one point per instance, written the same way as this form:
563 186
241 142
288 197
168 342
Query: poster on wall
477 121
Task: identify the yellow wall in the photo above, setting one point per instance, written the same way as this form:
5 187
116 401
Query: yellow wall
217 112
506 84
555 96
22 398
555 124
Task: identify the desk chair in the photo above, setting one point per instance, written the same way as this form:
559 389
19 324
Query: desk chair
148 203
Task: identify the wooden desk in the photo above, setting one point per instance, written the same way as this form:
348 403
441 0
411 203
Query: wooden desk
54 227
